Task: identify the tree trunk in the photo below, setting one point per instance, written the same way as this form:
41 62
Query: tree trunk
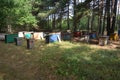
53 24
9 28
92 21
61 15
104 21
68 24
74 18
100 24
60 25
101 11
114 16
88 25
108 16
93 16
111 15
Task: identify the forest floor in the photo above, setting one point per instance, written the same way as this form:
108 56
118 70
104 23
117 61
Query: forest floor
59 61
95 44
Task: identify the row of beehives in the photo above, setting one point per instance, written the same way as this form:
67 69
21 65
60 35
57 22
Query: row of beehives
55 36
35 35
41 35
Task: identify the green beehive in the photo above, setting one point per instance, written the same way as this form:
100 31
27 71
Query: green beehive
9 38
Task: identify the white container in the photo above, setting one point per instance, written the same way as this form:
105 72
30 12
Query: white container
38 35
20 34
2 36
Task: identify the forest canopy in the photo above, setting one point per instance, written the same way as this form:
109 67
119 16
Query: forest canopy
99 15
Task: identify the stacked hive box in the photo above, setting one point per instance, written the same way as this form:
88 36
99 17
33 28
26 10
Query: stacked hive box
38 35
114 37
2 36
9 38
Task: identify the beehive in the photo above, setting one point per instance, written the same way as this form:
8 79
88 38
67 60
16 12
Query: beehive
114 37
38 35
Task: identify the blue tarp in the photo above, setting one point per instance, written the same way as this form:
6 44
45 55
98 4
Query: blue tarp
53 38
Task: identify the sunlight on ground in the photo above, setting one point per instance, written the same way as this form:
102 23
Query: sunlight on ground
64 45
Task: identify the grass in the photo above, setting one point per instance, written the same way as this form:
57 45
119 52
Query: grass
58 61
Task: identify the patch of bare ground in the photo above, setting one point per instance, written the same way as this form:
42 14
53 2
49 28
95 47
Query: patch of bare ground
110 46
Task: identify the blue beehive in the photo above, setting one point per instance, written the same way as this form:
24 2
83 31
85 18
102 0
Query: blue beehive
93 36
53 38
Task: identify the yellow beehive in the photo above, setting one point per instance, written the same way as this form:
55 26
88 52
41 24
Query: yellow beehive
114 37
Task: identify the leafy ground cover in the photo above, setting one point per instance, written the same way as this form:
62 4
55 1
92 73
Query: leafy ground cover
58 61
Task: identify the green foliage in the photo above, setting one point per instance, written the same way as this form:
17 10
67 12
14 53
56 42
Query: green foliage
23 11
17 12
20 12
83 23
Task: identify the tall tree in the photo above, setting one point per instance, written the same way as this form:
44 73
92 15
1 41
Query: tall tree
111 15
74 17
68 24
